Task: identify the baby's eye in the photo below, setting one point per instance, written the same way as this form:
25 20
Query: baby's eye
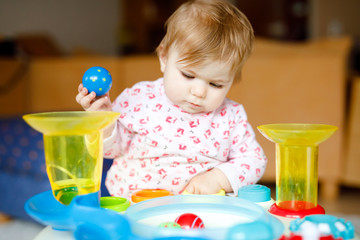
188 76
216 85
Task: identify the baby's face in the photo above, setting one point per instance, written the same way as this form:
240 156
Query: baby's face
195 90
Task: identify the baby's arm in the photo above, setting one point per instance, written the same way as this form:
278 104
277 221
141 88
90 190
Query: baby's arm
246 162
89 102
246 168
120 138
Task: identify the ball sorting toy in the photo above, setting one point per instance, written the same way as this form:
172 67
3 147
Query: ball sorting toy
189 221
98 80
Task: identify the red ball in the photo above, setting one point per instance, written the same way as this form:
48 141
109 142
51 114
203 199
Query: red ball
189 221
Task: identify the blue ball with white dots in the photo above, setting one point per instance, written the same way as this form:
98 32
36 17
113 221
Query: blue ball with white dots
98 80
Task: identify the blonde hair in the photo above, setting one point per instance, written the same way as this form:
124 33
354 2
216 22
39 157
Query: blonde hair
209 30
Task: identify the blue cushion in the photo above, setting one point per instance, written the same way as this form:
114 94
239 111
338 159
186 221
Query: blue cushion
16 190
21 148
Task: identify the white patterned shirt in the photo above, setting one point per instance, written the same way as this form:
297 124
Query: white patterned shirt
157 145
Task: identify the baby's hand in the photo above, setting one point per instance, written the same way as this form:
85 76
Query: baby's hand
210 182
90 102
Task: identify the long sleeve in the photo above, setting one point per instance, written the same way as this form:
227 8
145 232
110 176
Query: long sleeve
246 161
120 139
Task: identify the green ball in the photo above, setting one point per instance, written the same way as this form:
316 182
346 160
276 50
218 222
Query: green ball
169 225
65 195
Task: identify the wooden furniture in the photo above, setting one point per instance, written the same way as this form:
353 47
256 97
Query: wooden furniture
303 83
351 167
12 86
282 83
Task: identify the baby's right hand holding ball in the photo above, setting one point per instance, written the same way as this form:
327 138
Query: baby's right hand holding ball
93 91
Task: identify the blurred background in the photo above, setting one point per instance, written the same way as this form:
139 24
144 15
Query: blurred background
118 27
46 45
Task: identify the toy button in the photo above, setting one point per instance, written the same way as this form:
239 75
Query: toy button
255 193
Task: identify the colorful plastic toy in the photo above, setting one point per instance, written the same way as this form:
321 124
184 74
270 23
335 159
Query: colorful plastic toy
73 150
147 194
323 225
296 166
219 214
189 221
257 193
252 230
73 155
170 225
98 80
82 218
117 204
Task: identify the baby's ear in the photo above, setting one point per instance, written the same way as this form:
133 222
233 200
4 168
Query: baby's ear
162 58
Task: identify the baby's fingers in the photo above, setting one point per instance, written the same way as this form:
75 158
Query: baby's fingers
82 93
80 87
102 103
86 101
190 188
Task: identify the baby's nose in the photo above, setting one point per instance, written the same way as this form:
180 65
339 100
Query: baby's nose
198 90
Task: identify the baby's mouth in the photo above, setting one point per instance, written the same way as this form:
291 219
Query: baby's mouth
194 105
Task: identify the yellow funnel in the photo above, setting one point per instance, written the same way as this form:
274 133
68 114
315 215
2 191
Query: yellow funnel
73 150
297 162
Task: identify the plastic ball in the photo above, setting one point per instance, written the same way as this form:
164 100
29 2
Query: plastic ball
170 225
98 80
65 195
189 221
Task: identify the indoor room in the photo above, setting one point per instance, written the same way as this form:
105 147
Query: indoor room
304 68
